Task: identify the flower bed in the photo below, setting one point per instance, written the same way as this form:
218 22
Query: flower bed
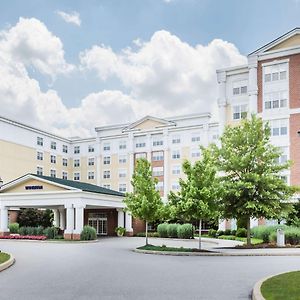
24 237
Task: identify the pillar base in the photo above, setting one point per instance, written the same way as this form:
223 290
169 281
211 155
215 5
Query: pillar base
4 233
129 233
68 236
76 236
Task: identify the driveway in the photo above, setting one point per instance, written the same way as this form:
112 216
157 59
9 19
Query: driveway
110 270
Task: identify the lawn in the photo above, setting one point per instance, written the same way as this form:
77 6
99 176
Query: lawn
284 286
254 241
171 249
4 257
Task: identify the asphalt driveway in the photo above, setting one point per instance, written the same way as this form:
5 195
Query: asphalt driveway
110 270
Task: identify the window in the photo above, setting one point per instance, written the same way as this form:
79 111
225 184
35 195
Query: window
76 176
65 149
176 169
195 153
106 186
106 174
157 141
157 156
76 149
175 186
122 159
39 155
53 159
64 175
122 145
122 188
39 170
240 112
275 72
40 141
76 162
140 143
276 100
176 154
140 155
239 88
53 173
159 186
282 159
53 145
91 148
176 139
106 147
65 162
284 178
122 173
91 175
106 160
278 127
158 171
91 161
195 137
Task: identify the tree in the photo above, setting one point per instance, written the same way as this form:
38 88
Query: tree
252 186
198 196
144 202
293 218
34 217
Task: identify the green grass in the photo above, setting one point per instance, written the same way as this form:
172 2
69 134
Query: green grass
285 286
254 241
4 257
171 249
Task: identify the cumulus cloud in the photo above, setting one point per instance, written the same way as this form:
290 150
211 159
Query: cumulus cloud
73 17
166 71
163 76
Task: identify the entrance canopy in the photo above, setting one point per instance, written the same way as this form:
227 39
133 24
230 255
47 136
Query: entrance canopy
67 198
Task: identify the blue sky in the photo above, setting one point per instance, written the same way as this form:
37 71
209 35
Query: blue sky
115 24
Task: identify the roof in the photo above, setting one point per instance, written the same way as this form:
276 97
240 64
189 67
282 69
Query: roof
83 186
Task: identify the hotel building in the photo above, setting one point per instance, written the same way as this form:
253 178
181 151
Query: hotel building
268 85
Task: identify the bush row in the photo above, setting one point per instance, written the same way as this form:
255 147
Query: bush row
49 232
241 232
182 231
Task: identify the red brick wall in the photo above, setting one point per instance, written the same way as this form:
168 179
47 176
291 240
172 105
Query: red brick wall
13 216
295 149
138 226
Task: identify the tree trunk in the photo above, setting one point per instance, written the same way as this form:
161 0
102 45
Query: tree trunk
248 232
200 229
146 233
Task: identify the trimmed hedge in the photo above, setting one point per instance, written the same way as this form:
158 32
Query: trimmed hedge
14 228
212 233
162 230
227 232
292 235
172 230
241 232
185 231
150 234
51 232
264 232
88 233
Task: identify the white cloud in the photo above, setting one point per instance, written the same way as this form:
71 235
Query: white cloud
73 17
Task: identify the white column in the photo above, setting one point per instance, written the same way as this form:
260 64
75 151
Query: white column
79 219
131 160
128 222
252 88
70 219
56 217
4 219
120 217
62 219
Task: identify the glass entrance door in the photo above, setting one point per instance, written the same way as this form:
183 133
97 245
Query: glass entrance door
99 222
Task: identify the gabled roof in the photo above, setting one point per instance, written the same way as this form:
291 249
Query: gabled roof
277 41
74 185
163 122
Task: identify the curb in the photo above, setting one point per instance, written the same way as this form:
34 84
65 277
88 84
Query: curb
52 241
256 293
7 263
173 253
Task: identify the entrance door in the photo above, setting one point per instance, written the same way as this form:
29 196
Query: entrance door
99 222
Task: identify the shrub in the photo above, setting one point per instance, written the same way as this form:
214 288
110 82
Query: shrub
88 233
233 232
120 231
185 231
220 232
172 230
264 232
227 232
162 230
39 230
241 232
212 233
51 232
292 235
23 231
14 228
35 217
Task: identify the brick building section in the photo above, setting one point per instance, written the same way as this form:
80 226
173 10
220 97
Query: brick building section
294 81
138 226
13 216
295 149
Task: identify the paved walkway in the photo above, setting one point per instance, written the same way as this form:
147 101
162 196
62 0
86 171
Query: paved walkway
110 269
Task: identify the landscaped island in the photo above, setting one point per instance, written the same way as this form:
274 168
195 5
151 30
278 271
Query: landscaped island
4 257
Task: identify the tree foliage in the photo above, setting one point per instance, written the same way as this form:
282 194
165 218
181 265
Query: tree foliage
251 181
33 217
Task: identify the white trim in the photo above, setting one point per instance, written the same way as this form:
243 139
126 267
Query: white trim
275 62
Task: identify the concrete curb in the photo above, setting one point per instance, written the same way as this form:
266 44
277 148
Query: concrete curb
173 253
52 241
256 293
7 263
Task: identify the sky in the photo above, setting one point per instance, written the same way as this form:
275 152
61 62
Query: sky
69 66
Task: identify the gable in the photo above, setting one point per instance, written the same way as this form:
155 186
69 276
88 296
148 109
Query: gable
148 124
33 186
293 41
